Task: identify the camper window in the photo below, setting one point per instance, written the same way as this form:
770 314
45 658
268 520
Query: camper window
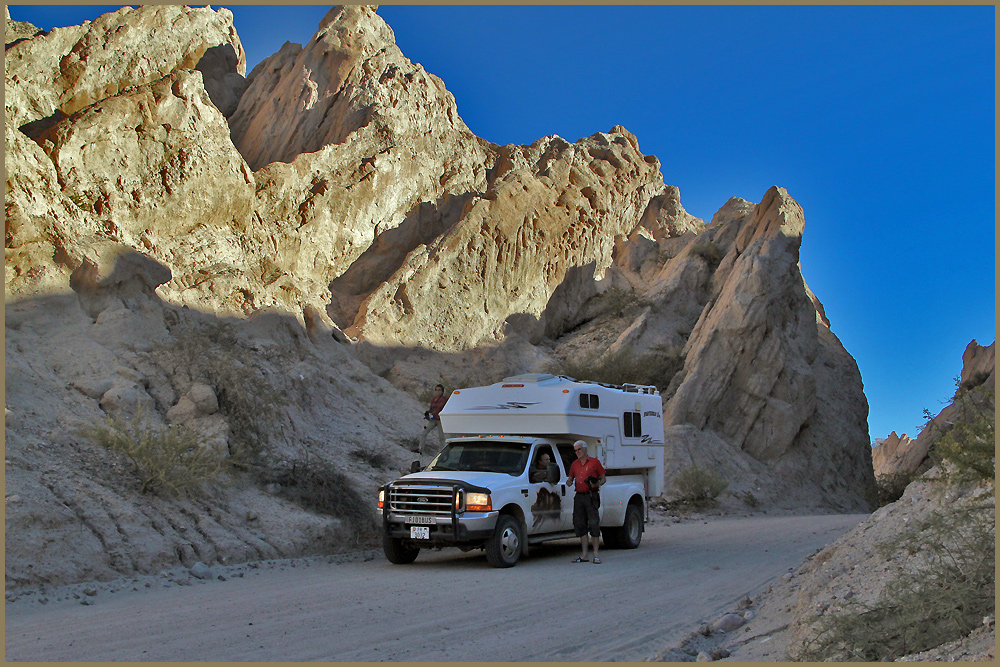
590 401
633 424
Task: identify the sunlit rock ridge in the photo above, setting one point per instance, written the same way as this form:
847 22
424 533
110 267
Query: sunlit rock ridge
338 185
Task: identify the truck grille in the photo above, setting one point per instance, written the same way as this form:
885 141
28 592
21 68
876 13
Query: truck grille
426 500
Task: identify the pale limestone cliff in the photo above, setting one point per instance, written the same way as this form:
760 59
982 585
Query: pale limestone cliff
341 187
55 74
550 207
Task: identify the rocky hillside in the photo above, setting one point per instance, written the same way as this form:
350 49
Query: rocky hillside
282 262
914 581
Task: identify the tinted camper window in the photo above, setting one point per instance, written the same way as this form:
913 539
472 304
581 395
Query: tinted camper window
633 424
590 401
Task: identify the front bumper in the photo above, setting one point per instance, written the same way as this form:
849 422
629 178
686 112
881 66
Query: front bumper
469 528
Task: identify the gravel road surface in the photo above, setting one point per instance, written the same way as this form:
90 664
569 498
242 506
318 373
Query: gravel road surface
447 606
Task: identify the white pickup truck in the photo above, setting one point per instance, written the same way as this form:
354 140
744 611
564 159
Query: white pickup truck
484 490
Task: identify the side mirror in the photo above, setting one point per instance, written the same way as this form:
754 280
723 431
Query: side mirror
553 474
415 466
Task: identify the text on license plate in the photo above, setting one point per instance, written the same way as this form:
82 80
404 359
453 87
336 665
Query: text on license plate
420 532
422 520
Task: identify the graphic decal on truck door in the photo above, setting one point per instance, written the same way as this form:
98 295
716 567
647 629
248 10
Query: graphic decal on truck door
546 510
544 474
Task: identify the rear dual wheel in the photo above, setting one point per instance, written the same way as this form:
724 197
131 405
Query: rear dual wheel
630 534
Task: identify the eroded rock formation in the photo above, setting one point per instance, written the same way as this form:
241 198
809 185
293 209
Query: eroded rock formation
336 194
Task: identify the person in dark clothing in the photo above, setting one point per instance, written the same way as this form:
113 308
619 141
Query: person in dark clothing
433 417
541 471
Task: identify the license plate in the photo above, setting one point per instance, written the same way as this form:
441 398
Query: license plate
420 532
420 520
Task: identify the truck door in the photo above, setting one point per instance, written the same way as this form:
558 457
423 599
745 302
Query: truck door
545 512
566 491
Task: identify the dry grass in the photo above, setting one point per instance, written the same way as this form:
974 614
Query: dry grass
253 406
167 460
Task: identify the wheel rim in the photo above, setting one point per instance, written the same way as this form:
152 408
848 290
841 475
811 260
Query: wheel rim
509 543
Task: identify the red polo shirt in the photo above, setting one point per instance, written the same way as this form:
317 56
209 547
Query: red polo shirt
581 471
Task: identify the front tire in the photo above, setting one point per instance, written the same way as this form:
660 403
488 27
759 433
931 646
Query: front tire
397 552
503 549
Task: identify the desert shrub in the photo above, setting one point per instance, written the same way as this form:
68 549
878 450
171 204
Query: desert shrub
708 251
977 379
887 488
749 499
698 486
969 446
318 486
167 460
615 302
943 595
248 397
625 365
373 453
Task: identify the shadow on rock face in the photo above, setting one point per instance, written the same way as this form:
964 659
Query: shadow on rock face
132 274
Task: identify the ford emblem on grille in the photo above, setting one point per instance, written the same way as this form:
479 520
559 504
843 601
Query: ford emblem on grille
423 499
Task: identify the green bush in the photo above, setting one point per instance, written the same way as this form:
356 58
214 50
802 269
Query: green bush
969 446
168 460
698 486
942 597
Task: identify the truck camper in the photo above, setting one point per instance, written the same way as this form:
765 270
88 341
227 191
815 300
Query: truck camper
485 489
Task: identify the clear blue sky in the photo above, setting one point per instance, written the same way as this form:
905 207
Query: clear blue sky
879 121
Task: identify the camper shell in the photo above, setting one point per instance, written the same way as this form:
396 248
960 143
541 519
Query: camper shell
622 425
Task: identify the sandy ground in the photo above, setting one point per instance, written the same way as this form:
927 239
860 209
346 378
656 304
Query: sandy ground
448 606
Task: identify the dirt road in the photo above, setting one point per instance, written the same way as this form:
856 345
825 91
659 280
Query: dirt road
448 606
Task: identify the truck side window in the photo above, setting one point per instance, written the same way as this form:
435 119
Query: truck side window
590 401
542 464
633 424
567 455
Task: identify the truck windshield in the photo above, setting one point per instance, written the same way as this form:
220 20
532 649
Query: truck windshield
483 456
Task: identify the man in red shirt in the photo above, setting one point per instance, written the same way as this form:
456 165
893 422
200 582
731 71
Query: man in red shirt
433 417
587 476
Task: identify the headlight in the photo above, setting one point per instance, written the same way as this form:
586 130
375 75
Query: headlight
381 498
478 502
